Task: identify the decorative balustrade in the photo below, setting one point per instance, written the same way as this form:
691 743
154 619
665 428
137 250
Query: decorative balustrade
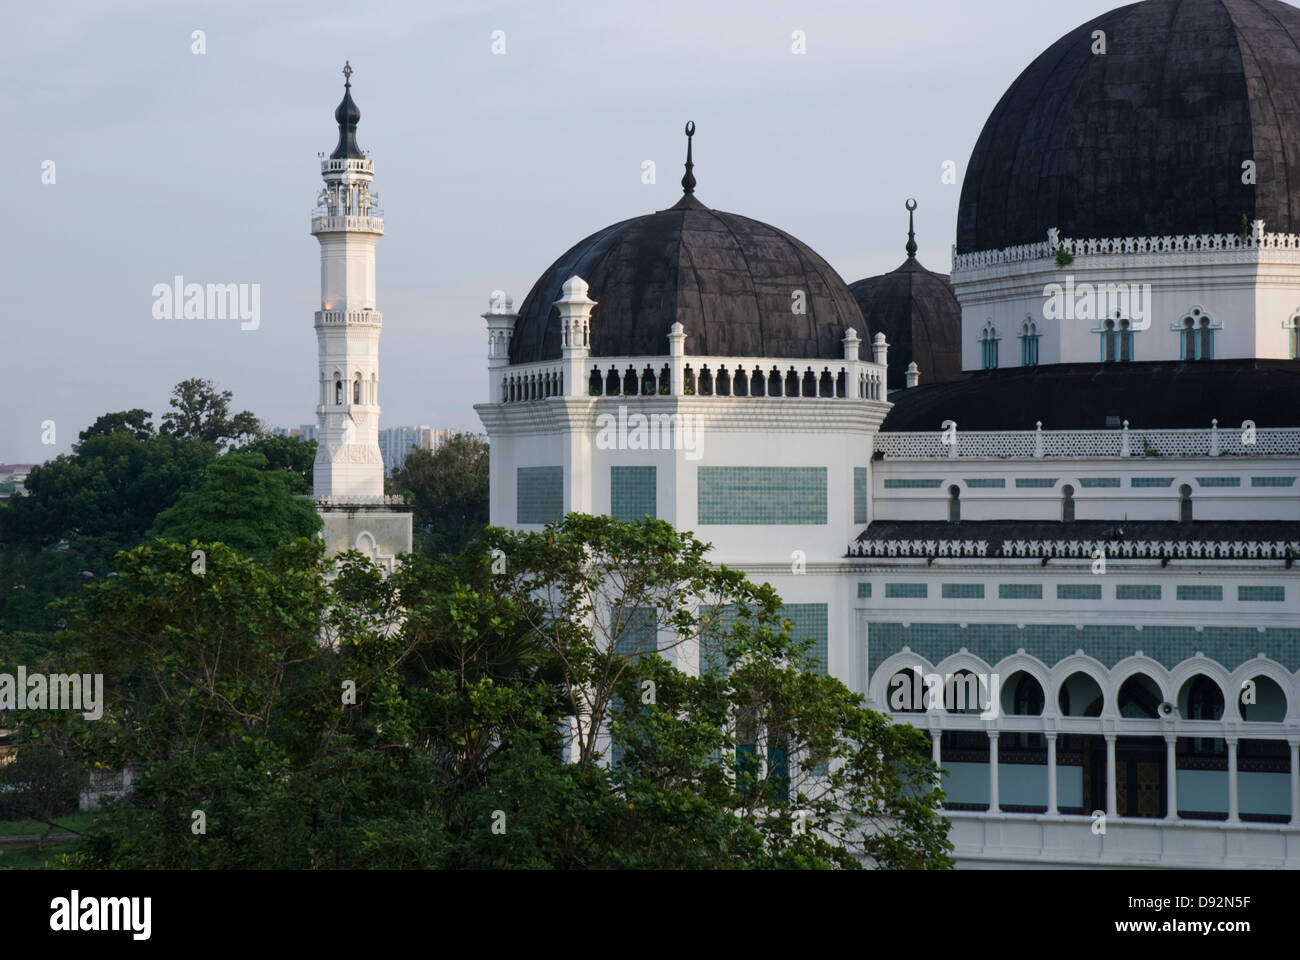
367 318
1254 239
347 165
1074 444
1081 549
371 500
532 381
700 377
330 223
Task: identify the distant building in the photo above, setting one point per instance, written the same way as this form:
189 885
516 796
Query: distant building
396 442
305 432
12 477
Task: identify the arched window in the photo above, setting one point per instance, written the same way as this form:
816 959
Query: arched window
1196 337
1029 344
356 390
954 504
1185 503
1067 504
1293 336
1116 339
988 339
338 391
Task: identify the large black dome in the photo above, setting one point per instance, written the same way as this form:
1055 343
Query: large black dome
729 280
1148 138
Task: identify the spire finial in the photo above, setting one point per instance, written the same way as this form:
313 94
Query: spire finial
688 180
347 73
911 234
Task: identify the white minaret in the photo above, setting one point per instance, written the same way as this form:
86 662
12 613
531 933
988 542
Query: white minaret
348 222
349 471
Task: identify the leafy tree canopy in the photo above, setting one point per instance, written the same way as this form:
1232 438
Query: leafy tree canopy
449 488
533 701
200 412
243 504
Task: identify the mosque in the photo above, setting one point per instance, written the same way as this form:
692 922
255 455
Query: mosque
1064 477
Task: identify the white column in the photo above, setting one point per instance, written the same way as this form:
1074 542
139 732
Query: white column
1233 812
500 319
936 753
1295 781
1171 787
1110 776
993 772
677 359
575 334
1052 810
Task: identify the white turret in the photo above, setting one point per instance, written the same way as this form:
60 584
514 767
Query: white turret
348 223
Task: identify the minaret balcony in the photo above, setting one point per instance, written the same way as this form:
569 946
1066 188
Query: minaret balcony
349 318
348 165
335 223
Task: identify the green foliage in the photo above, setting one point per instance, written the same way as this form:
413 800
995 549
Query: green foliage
457 714
449 488
200 412
243 504
1064 257
296 457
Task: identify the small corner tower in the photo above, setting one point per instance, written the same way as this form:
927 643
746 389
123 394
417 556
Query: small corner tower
349 471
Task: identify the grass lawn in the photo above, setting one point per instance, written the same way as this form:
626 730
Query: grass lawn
75 822
29 858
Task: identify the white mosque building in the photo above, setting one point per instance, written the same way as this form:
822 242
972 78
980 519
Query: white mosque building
1093 499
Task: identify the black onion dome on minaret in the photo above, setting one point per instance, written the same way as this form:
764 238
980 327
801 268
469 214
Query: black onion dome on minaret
347 115
729 280
918 313
1148 138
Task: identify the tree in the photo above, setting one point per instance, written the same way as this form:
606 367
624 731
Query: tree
322 714
201 413
242 504
449 487
137 422
295 456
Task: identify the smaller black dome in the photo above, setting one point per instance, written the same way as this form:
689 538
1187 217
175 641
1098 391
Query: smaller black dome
919 315
347 116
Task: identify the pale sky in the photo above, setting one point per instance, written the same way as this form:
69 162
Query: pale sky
488 168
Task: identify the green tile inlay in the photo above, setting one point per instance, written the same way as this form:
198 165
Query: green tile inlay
1078 591
1266 594
1109 643
811 621
859 494
1219 481
1035 482
963 591
776 496
1137 591
906 591
1099 481
911 483
991 482
632 494
1188 591
1020 591
1272 481
864 591
1151 481
539 494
